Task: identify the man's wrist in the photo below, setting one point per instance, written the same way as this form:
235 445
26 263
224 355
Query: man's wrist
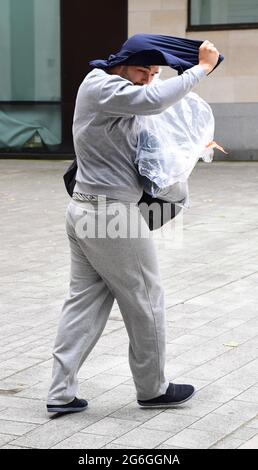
206 67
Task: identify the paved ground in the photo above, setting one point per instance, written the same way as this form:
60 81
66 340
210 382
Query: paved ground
211 291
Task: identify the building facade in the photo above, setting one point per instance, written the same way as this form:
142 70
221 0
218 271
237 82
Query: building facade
47 45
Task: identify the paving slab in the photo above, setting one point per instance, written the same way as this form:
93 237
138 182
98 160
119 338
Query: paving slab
210 279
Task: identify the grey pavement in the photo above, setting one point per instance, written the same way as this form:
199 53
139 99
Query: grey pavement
209 266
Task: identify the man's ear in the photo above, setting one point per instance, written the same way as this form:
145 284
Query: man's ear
116 70
120 68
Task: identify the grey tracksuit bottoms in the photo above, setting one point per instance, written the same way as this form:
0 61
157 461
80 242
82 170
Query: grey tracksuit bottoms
105 268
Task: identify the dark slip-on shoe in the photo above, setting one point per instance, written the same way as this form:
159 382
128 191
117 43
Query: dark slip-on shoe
175 395
73 407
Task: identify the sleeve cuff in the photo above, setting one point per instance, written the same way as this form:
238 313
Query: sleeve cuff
198 71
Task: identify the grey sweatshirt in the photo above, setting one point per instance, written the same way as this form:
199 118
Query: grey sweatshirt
105 128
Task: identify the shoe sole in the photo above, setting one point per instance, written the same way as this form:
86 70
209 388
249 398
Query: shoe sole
66 410
166 405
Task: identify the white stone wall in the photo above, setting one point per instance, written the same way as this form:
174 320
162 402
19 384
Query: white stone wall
235 80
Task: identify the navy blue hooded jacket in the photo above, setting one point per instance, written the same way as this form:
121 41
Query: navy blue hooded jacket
155 49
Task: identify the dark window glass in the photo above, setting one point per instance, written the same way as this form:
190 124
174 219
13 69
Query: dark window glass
30 72
219 12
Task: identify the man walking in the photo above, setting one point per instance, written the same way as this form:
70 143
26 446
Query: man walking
105 130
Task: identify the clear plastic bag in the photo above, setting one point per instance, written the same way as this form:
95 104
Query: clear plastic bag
171 143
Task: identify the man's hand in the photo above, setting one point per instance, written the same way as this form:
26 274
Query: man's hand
208 56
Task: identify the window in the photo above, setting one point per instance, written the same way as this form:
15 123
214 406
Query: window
30 82
222 14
